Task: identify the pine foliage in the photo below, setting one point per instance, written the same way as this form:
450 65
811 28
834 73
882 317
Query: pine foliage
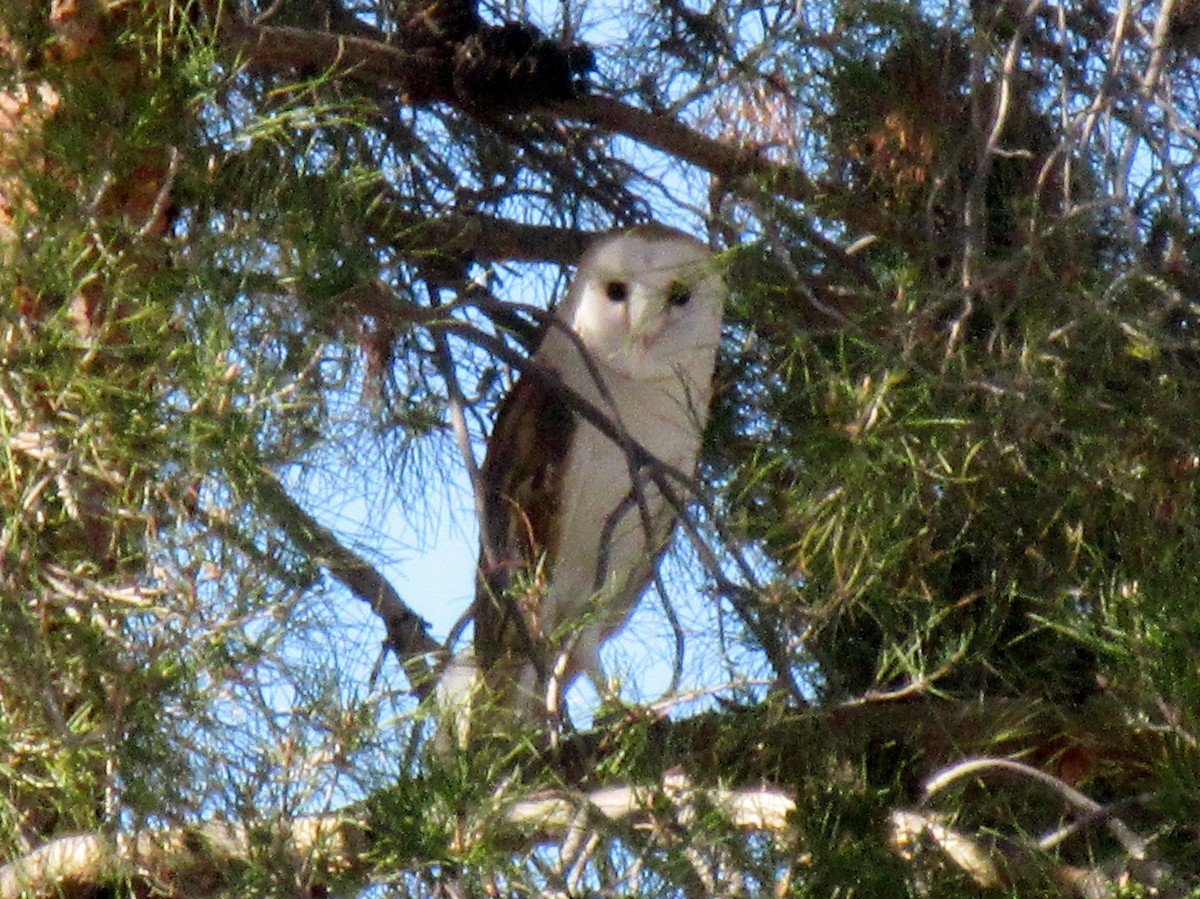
269 267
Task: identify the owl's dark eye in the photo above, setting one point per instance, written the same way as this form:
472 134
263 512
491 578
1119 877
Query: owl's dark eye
617 291
679 295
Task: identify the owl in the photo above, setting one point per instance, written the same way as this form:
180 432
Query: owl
573 524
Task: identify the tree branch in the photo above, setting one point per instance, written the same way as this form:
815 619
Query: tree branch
272 47
732 164
406 631
207 858
484 238
343 846
995 862
410 73
553 812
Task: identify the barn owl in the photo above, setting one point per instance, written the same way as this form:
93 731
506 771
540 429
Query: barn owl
573 525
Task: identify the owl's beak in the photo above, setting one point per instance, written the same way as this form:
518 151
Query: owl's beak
648 327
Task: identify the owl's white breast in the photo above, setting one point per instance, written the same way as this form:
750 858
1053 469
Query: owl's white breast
611 533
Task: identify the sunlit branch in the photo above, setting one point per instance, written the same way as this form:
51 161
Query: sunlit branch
993 862
1135 845
212 854
337 847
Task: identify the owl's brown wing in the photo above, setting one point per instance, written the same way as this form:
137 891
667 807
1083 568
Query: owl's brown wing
522 479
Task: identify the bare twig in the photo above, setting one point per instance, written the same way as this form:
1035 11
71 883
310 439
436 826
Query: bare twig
462 434
995 862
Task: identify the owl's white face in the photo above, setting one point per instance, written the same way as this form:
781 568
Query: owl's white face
647 303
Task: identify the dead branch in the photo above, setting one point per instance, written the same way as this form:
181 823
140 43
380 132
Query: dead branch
339 845
209 857
206 858
733 165
993 861
553 813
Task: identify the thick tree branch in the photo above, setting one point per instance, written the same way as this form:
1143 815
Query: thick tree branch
481 238
340 849
335 849
207 859
276 48
409 73
547 816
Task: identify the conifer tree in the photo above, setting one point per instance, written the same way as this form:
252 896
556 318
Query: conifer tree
267 268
